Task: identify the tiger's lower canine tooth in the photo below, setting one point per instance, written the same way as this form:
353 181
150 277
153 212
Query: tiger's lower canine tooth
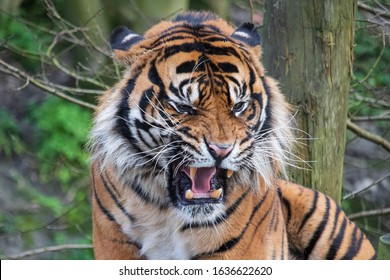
229 173
189 194
216 194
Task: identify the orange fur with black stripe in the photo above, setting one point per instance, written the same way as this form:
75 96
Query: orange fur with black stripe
188 148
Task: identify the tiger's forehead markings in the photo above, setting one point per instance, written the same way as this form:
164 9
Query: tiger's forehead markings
209 76
189 31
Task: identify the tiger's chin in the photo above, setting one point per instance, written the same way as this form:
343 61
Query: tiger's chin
199 191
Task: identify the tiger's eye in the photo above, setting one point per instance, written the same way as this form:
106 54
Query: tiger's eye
238 107
185 109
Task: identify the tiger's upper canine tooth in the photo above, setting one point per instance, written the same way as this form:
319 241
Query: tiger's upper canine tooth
216 193
189 194
193 172
229 173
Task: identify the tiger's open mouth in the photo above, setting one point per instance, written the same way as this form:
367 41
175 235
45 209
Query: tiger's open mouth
200 185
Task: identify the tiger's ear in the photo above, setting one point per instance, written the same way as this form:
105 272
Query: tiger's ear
122 41
247 34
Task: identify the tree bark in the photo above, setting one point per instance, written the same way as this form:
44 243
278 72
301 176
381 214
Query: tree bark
308 47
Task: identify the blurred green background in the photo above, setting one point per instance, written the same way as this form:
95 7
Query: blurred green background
44 180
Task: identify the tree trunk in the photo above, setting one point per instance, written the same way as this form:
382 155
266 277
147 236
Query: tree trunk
308 47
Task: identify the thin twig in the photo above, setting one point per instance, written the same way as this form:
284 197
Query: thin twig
354 193
369 213
368 135
48 249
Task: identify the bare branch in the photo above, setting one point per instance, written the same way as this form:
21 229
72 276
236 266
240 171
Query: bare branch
383 117
45 86
48 249
63 68
374 102
375 11
369 213
354 193
368 135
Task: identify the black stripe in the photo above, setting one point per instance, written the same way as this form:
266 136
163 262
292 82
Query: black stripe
107 184
261 220
146 128
252 78
254 111
247 137
266 126
186 131
122 114
145 100
227 67
354 246
174 90
334 247
335 223
185 32
144 196
153 75
186 67
190 147
319 231
287 205
110 217
139 130
232 242
99 203
311 211
204 48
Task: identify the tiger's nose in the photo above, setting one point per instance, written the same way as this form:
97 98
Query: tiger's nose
220 151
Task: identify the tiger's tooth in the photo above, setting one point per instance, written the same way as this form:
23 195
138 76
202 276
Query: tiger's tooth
216 194
192 173
229 173
189 194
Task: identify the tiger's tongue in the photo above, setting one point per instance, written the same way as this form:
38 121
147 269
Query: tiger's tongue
200 178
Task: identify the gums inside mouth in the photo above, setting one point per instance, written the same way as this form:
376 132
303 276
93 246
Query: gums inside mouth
200 185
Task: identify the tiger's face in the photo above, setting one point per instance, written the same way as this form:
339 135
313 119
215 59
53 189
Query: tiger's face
214 112
196 110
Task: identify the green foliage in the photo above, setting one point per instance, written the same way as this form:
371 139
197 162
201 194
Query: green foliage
63 129
369 47
17 34
368 97
59 199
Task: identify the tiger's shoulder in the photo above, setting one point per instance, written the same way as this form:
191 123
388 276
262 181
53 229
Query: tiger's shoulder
318 228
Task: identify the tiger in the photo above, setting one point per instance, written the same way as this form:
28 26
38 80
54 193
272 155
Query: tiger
189 152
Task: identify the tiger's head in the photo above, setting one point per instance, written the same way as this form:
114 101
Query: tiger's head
195 118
